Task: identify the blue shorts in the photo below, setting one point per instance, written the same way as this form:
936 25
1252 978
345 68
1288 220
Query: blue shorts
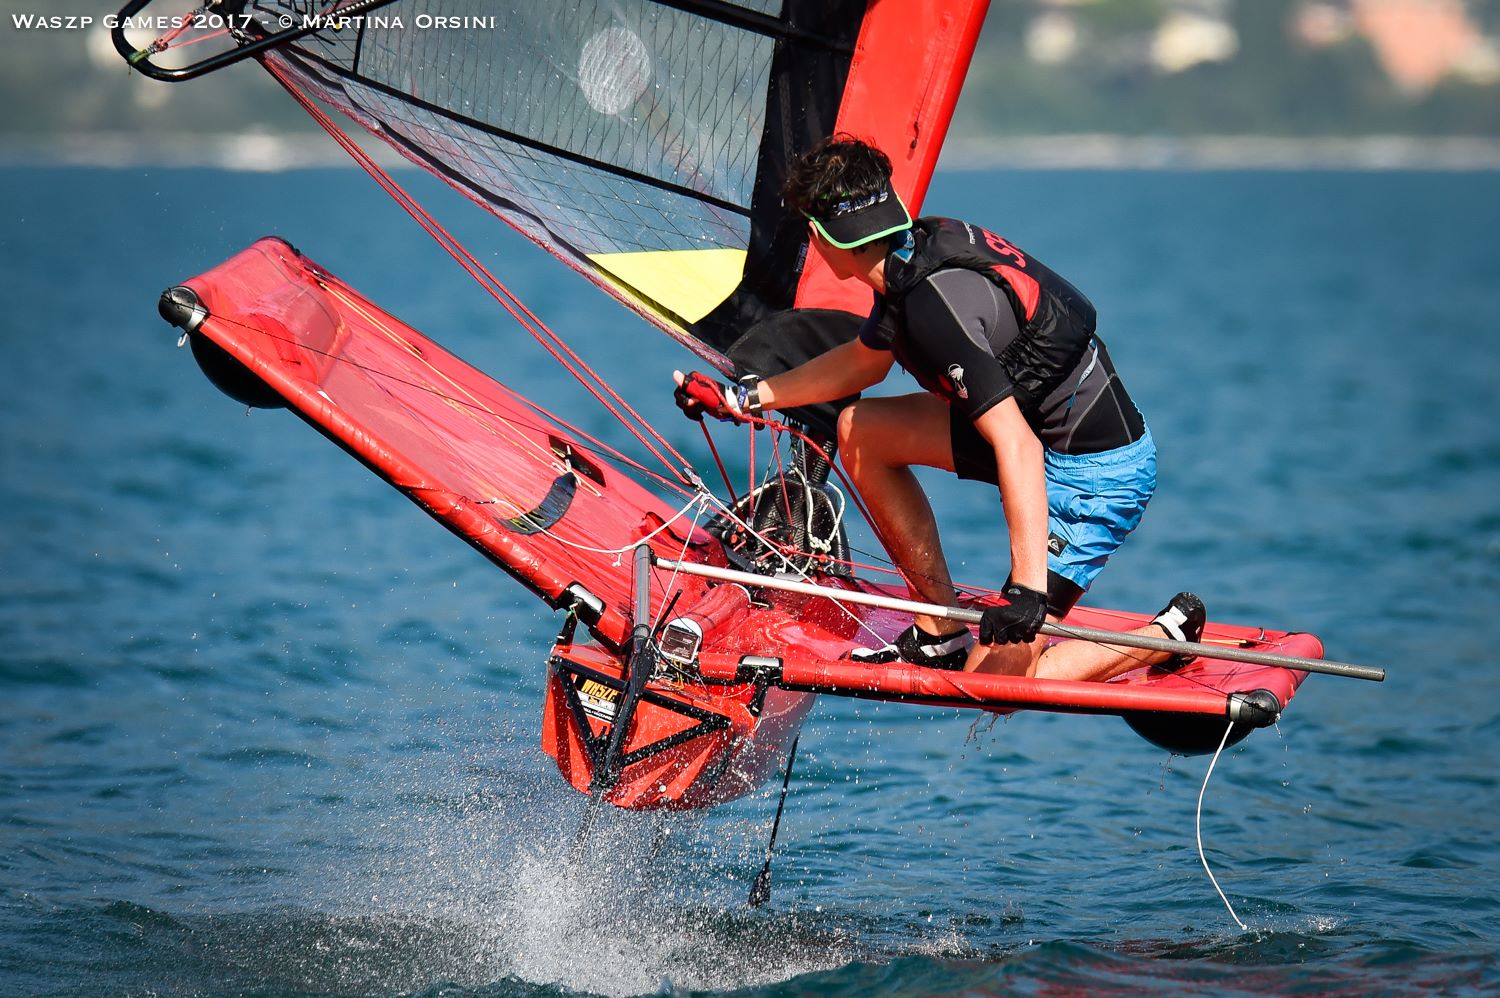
1094 501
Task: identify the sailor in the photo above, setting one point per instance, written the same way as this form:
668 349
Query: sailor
1020 393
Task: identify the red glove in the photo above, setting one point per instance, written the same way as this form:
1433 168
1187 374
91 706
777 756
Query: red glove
699 394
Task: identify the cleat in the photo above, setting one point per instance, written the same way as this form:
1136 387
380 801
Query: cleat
1182 619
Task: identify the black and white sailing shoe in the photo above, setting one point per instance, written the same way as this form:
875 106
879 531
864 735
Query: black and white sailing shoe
1183 620
917 647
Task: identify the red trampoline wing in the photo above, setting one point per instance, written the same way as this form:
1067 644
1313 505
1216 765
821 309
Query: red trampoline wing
513 482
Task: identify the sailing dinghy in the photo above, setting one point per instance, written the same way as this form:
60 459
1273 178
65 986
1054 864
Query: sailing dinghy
643 144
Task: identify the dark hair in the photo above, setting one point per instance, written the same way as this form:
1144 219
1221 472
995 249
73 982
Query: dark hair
836 169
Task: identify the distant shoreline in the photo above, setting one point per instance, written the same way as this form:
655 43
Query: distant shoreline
1223 152
262 152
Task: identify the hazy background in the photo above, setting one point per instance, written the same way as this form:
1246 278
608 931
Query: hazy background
1054 82
268 731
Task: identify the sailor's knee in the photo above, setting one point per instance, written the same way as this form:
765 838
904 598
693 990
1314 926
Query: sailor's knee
849 438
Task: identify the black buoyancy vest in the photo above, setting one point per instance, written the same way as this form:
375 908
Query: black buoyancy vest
1057 322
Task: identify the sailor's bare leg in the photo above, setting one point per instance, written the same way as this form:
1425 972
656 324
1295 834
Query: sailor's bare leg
1080 660
880 440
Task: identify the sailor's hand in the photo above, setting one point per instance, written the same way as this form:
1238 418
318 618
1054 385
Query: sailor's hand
1017 620
697 394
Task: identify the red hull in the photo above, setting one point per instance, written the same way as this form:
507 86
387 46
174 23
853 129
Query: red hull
720 742
708 735
273 328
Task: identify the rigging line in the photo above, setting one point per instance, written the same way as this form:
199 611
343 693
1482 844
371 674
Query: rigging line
201 38
697 500
467 408
517 437
419 386
750 474
786 499
776 427
849 486
164 41
593 382
1201 857
724 472
788 564
687 541
675 485
169 40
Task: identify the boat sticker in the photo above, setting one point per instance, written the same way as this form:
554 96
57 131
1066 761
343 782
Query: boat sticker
551 509
598 700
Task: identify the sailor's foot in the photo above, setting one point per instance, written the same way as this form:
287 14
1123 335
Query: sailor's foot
917 647
1182 620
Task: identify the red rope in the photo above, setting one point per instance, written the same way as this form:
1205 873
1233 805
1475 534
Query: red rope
750 497
777 427
551 342
539 331
165 41
190 21
734 500
786 498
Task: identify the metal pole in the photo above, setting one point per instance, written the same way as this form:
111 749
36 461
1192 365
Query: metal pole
1116 638
640 665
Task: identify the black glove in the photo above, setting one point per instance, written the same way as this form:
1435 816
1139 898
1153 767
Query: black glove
699 393
1017 620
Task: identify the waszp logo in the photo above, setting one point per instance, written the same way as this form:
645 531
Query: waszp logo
956 375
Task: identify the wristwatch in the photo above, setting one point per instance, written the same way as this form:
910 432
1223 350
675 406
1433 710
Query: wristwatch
747 394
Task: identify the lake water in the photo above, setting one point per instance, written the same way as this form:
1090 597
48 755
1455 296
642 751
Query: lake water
267 730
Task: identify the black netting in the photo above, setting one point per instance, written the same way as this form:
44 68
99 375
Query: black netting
628 124
600 126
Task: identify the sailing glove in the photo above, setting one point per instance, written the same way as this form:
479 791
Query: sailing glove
1017 620
699 394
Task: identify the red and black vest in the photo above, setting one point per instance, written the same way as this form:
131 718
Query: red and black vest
1056 321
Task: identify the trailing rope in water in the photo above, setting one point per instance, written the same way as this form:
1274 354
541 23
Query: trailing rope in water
1199 829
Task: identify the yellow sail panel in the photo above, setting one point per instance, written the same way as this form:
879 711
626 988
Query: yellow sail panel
688 283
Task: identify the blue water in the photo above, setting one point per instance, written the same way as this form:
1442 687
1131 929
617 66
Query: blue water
268 730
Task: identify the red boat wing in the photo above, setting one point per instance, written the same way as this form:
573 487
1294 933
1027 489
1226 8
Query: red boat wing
514 483
812 635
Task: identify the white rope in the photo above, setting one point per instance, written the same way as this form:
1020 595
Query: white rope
1202 858
838 520
681 556
725 509
697 500
810 508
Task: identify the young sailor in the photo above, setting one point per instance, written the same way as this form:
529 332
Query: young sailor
1020 393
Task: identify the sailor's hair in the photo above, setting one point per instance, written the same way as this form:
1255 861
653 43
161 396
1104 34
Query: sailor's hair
838 169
